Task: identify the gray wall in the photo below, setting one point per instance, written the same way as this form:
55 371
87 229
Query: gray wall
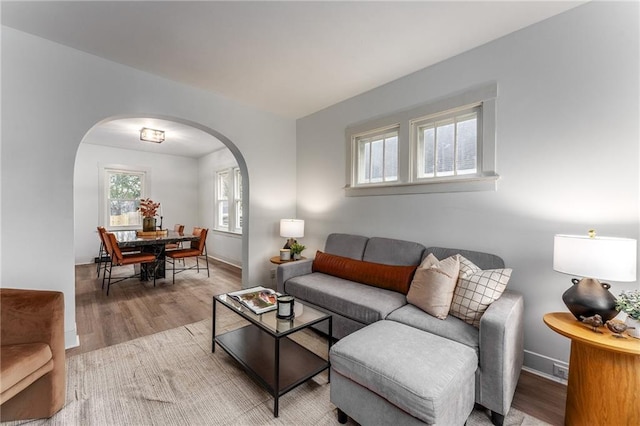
567 143
52 96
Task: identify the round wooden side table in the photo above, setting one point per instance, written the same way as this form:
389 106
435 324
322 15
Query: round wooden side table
604 374
276 260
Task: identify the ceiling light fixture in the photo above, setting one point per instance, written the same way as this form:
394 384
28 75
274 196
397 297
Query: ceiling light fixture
151 135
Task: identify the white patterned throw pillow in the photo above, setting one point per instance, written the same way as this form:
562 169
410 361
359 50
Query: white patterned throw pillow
476 290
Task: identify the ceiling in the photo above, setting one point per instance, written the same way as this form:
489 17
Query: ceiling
289 58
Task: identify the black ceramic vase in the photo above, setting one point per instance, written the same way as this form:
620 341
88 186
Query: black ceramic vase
588 296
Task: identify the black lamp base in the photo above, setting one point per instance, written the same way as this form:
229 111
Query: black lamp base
587 297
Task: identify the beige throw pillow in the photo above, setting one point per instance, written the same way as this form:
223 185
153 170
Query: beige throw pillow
476 290
433 283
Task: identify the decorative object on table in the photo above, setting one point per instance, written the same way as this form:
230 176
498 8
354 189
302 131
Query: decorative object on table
259 299
593 258
149 211
629 303
296 250
594 321
291 229
285 307
285 254
617 327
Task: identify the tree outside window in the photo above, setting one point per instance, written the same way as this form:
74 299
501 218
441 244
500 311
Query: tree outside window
125 189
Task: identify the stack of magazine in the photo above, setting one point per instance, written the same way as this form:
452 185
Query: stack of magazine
258 299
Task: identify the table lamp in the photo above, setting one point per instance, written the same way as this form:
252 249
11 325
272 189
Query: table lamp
291 229
593 258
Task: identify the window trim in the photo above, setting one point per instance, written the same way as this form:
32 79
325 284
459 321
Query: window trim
232 200
103 187
357 138
484 180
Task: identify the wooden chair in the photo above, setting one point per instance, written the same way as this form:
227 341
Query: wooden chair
198 248
118 259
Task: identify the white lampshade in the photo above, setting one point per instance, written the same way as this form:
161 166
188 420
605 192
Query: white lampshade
602 258
291 228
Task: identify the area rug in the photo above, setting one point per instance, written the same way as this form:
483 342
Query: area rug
172 378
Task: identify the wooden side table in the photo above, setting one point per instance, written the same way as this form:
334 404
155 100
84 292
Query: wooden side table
604 374
276 260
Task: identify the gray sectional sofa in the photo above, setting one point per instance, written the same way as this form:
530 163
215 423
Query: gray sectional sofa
497 343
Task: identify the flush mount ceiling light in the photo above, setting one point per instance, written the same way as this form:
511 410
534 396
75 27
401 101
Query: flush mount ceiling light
151 135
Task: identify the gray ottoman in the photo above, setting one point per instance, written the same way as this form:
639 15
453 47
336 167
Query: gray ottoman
391 373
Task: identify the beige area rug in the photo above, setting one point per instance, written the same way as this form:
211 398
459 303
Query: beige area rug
172 378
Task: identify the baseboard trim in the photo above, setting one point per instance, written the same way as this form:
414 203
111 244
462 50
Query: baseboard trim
542 365
71 338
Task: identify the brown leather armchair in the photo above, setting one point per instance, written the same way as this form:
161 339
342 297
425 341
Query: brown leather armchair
32 362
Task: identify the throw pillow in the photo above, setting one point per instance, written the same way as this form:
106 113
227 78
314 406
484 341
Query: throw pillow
476 290
433 284
390 277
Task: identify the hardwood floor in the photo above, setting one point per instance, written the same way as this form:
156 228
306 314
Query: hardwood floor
134 309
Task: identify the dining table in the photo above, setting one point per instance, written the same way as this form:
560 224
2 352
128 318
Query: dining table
155 244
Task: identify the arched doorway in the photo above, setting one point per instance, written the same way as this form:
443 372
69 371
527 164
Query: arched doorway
173 180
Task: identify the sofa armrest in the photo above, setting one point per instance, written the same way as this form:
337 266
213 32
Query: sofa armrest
501 351
35 316
30 316
289 270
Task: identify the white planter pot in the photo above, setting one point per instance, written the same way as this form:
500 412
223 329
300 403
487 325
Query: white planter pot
634 332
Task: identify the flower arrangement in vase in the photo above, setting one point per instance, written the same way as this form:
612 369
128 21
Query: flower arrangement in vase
149 211
629 303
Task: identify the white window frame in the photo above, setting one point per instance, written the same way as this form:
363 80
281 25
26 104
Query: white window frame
485 179
368 138
103 184
234 200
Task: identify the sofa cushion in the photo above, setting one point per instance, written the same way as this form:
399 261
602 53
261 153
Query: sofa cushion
359 302
390 277
21 361
433 284
476 290
483 260
451 328
346 245
417 372
393 252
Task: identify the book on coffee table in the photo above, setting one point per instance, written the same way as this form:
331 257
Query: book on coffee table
258 299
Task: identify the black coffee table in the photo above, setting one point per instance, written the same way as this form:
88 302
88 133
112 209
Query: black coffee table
262 347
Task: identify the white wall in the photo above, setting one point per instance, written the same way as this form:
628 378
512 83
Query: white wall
52 95
221 245
172 181
567 142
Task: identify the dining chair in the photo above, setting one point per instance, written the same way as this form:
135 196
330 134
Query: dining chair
103 256
117 258
173 246
198 248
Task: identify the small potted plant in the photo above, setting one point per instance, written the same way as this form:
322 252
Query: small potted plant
296 250
149 210
629 303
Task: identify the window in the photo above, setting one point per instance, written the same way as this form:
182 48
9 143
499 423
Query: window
123 190
237 194
378 157
228 199
222 188
448 145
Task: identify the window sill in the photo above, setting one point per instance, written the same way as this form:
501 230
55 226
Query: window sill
463 184
227 233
